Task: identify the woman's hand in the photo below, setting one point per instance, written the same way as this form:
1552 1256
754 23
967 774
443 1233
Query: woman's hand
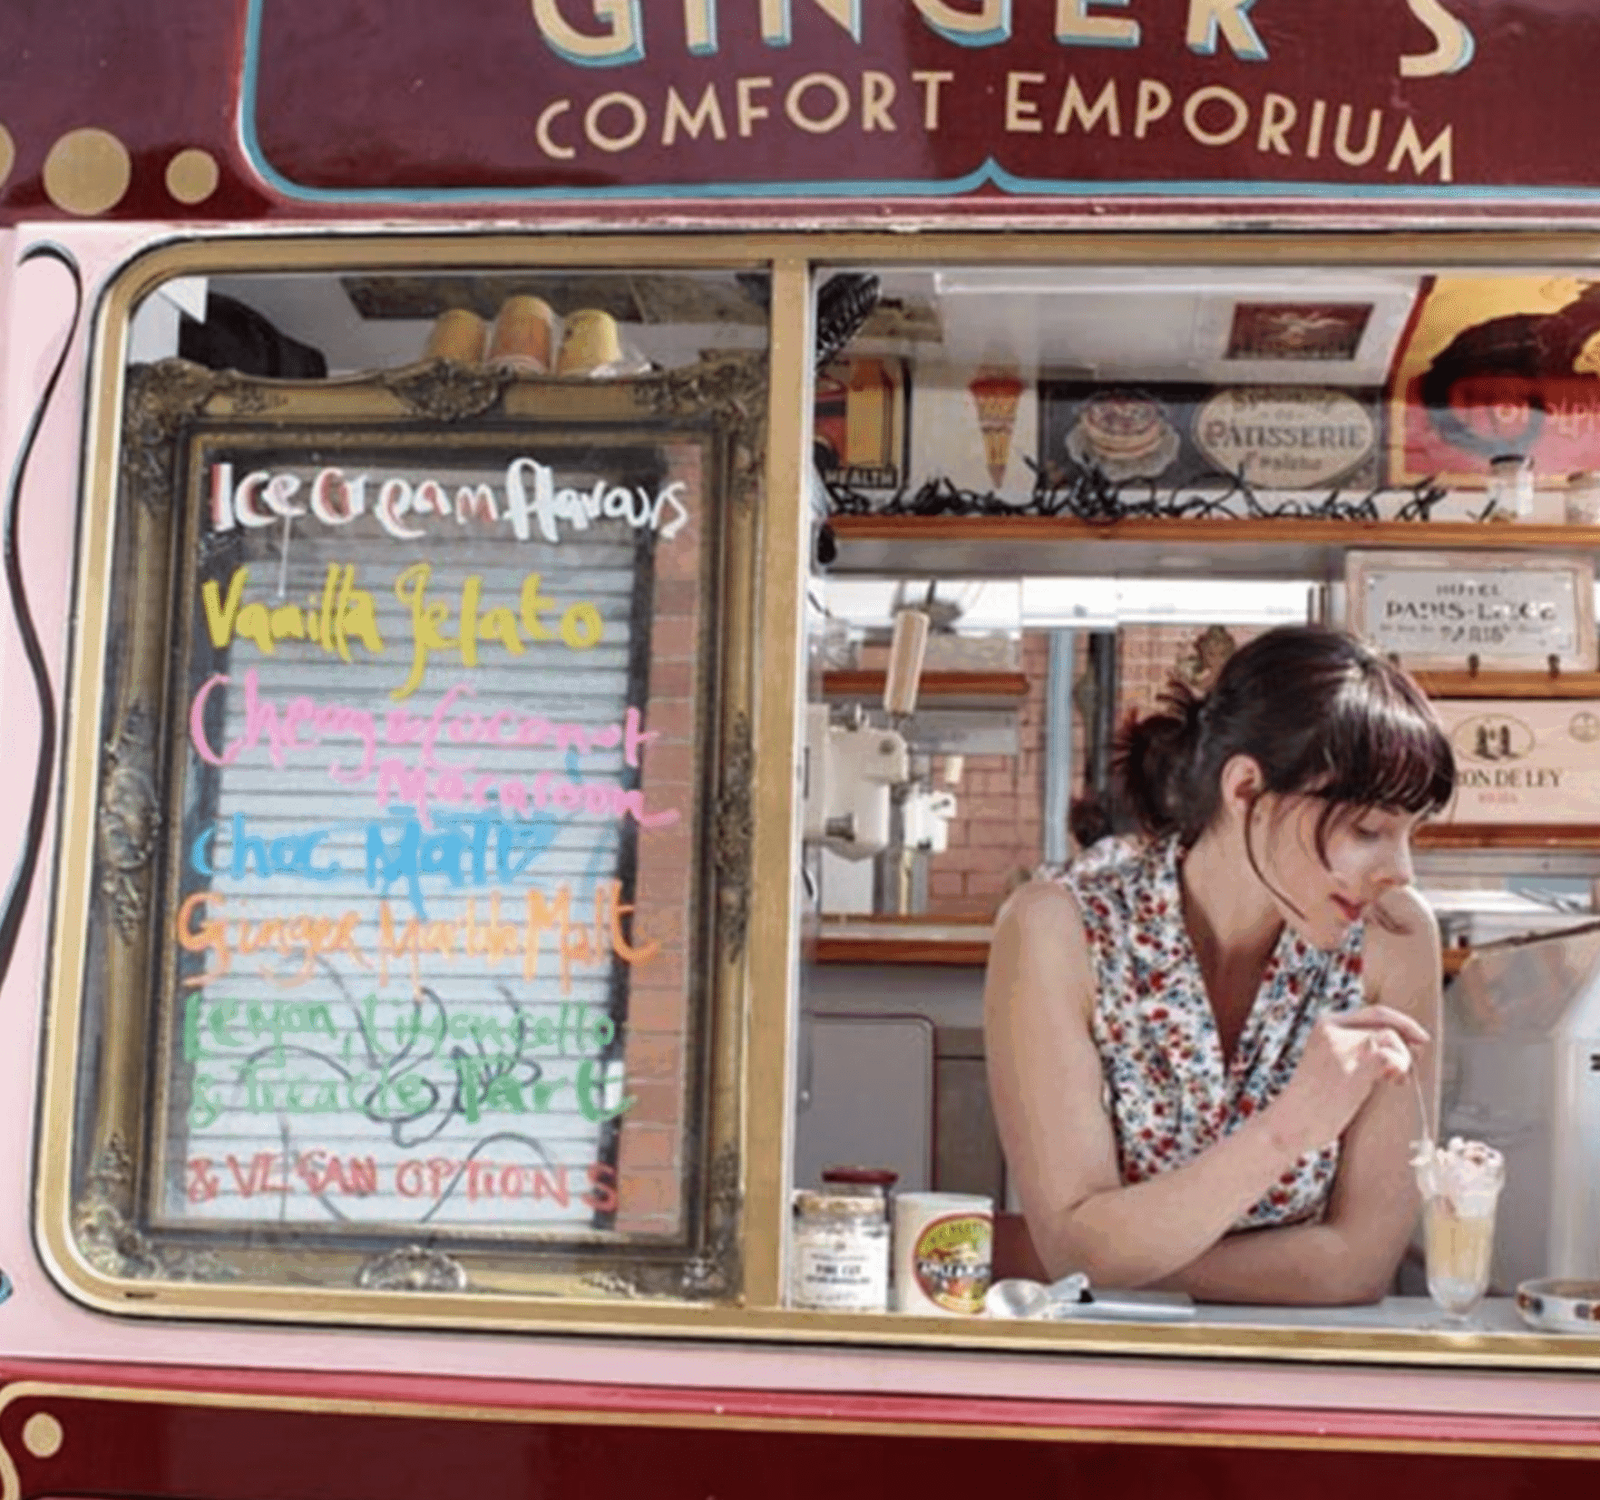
1345 1058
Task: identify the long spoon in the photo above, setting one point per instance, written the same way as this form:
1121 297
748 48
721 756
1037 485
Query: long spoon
1422 1108
1424 1153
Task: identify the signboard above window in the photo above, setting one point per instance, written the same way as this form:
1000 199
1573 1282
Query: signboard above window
819 97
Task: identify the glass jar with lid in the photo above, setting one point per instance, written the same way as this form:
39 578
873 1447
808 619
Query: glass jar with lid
839 1249
1510 487
1582 507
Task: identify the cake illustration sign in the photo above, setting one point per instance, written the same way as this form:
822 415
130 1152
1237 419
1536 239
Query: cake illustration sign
1125 435
1180 435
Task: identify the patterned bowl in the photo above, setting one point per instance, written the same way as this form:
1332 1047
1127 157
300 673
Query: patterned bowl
1557 1306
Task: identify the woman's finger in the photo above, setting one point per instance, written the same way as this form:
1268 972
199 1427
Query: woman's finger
1390 1053
1398 1057
1375 1017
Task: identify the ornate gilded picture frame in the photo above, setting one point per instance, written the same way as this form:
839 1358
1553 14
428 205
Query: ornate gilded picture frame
406 950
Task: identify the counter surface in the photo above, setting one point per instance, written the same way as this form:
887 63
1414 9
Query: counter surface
1393 1314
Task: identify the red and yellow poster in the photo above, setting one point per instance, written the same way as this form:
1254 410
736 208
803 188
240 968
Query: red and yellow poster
1498 365
861 428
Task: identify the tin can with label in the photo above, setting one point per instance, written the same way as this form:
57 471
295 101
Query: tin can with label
839 1251
944 1249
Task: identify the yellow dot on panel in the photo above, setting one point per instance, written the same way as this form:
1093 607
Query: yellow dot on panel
192 176
42 1435
87 171
8 154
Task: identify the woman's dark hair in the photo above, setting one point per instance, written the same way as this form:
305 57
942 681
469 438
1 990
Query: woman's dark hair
1318 712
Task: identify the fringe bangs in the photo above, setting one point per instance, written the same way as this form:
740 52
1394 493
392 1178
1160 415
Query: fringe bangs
1385 748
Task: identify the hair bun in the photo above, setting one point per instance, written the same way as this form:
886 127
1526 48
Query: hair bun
1153 755
1313 708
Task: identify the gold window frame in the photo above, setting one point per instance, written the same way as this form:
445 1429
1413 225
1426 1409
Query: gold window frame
770 668
100 1153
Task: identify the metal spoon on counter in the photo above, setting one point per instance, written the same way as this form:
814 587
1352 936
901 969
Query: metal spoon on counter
1017 1297
1071 1297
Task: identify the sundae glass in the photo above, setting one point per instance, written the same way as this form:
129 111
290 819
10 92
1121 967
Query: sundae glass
1460 1184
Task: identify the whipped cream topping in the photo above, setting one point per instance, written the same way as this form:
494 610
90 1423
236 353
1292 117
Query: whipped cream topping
1468 1174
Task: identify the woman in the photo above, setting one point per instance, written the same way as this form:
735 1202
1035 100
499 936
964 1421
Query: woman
1201 1053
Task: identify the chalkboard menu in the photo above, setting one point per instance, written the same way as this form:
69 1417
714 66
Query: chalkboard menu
411 932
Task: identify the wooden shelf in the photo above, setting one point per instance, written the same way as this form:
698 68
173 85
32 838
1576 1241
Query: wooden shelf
1583 837
949 688
946 689
919 938
1019 546
1509 684
953 953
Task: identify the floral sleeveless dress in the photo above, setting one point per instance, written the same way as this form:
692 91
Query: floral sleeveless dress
1168 1089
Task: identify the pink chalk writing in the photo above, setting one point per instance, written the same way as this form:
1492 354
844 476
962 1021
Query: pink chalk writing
299 726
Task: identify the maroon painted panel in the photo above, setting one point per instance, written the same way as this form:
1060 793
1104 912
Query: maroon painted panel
159 79
411 95
151 1448
317 107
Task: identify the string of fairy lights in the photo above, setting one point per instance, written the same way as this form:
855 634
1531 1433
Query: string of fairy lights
1074 492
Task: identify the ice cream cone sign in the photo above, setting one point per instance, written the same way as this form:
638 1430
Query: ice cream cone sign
995 393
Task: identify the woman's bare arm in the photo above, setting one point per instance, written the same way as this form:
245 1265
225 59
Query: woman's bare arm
1351 1255
1046 1082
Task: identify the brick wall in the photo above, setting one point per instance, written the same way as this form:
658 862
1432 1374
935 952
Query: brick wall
655 1050
1148 656
998 837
